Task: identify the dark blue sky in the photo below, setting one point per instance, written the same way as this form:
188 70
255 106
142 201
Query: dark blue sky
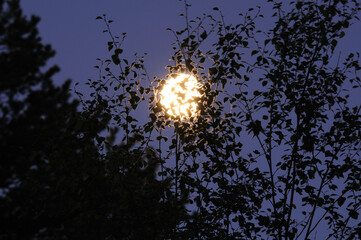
70 27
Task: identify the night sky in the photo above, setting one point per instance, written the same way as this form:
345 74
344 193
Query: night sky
70 27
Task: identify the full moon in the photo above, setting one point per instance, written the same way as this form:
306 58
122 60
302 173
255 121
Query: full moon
179 96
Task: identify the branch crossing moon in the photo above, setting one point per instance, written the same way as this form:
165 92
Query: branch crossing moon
179 96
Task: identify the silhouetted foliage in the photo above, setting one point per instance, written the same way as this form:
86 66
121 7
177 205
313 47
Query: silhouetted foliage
274 151
56 180
272 154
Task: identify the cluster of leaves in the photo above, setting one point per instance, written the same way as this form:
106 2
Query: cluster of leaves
279 161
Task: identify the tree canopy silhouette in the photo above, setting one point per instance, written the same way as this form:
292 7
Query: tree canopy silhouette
273 153
56 181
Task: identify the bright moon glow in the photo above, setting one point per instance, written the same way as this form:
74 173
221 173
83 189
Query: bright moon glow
178 96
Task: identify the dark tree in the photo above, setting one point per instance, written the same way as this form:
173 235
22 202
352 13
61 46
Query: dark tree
30 103
56 179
